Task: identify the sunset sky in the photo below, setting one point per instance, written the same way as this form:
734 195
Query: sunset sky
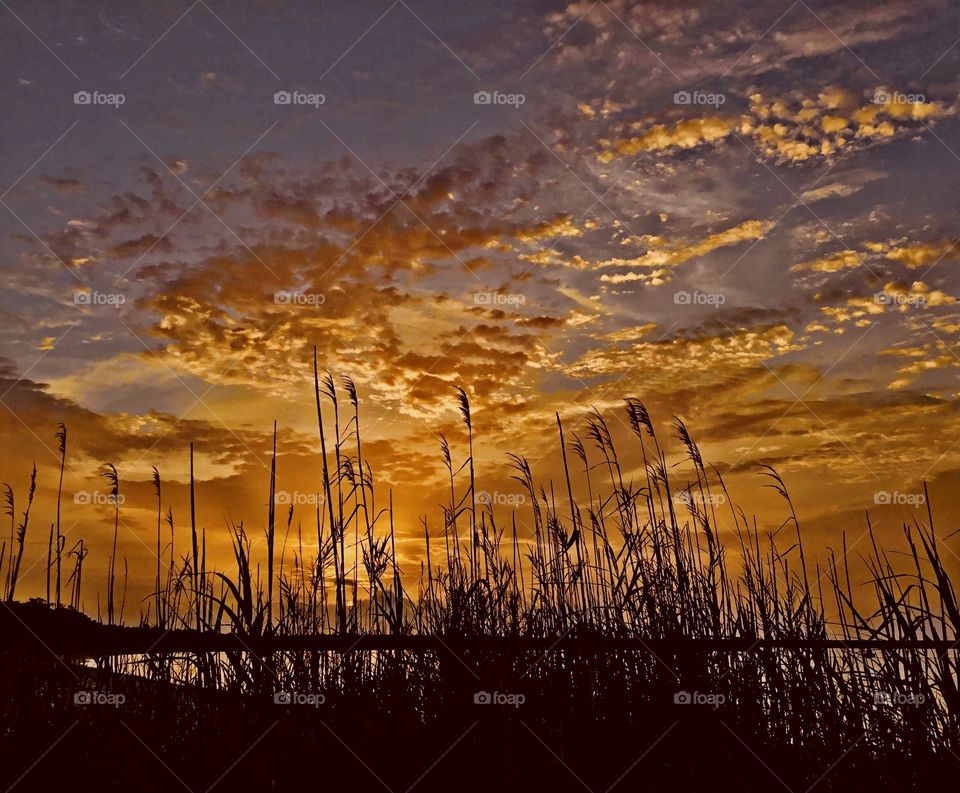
743 213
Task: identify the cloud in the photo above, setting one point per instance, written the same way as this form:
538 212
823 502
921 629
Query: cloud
687 134
921 360
835 262
662 254
922 253
515 270
793 127
64 185
699 357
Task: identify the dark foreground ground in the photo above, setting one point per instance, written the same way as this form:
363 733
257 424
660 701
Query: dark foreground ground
464 723
147 736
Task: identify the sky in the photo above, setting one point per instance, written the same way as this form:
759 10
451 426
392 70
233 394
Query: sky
742 213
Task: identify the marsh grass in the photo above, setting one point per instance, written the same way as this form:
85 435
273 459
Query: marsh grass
604 557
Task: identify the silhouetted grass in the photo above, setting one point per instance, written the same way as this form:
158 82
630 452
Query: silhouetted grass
606 558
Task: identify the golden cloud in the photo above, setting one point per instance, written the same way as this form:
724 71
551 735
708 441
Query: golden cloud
662 254
705 355
682 135
833 263
794 128
923 253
